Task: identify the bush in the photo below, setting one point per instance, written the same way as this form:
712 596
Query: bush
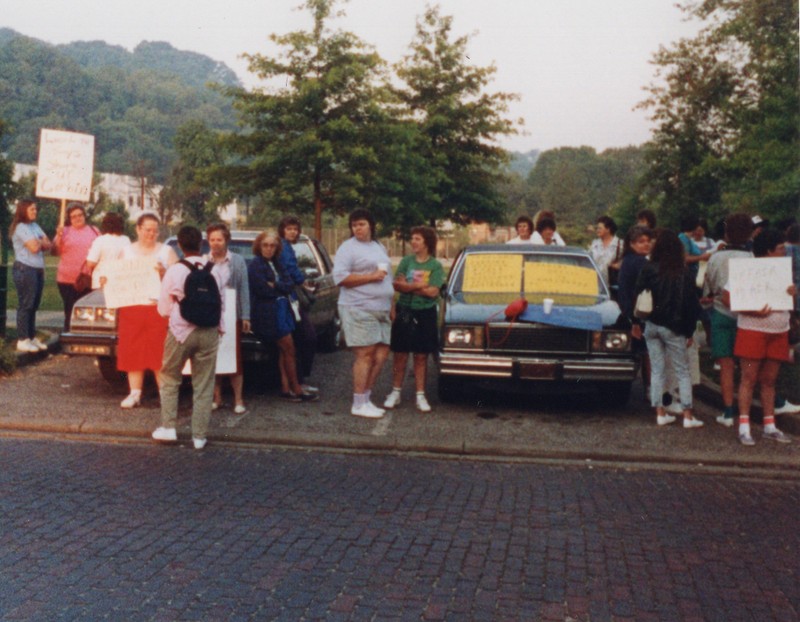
8 358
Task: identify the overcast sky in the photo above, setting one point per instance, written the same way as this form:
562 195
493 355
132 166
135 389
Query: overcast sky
579 66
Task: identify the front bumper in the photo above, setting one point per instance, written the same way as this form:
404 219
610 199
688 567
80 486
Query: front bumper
545 368
89 344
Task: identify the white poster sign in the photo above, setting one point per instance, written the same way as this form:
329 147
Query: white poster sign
755 282
66 164
131 282
226 355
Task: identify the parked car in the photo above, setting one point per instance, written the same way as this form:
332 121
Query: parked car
582 342
93 326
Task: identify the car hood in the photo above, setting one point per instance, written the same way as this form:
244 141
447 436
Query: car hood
95 298
463 313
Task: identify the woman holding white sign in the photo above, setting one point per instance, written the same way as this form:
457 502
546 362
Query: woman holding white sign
29 242
142 330
762 344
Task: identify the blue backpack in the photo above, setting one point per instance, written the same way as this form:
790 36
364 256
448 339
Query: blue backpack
201 304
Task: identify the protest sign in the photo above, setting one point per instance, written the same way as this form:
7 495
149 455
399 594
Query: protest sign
756 282
493 273
131 282
66 164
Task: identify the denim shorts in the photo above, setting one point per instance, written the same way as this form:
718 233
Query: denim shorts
363 327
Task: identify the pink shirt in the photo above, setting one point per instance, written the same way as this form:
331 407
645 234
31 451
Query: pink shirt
172 293
73 249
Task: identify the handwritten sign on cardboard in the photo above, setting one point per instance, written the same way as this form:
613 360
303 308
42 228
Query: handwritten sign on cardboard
131 282
492 273
755 282
66 164
553 278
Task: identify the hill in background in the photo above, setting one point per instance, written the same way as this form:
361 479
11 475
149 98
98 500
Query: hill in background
132 102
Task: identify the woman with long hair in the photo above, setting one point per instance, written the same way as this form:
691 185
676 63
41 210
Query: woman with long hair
29 243
669 328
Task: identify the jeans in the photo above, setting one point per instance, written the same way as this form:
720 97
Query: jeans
70 296
29 283
667 348
201 348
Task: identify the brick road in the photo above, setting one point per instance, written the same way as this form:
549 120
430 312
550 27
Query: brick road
134 532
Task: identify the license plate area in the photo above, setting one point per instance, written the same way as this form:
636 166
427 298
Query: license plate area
538 370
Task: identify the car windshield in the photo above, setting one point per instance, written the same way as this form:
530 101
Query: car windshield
499 278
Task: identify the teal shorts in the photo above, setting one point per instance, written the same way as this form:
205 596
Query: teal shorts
723 335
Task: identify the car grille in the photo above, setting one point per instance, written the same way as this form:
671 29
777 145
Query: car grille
533 338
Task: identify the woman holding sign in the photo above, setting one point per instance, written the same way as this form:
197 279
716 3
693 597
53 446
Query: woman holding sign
29 242
142 330
762 344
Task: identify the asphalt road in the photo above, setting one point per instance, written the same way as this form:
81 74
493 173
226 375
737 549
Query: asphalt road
136 532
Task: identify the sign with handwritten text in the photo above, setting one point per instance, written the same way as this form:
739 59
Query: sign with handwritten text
492 273
131 282
756 282
553 278
66 164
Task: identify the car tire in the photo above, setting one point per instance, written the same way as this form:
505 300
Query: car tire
108 369
331 339
614 394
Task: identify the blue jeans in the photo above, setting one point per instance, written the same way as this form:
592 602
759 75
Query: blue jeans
667 348
29 283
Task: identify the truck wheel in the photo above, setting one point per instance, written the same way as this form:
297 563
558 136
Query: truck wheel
450 389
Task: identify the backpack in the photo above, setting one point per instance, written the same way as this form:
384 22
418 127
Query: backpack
201 304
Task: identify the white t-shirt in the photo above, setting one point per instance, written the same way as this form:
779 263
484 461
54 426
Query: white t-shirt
775 322
537 238
106 247
354 257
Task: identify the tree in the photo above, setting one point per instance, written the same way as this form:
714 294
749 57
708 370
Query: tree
728 114
459 121
311 143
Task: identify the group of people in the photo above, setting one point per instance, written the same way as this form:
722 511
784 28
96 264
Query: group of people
666 265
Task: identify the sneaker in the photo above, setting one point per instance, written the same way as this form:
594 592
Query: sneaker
199 443
422 403
674 408
692 423
392 400
717 367
214 406
726 421
25 345
368 410
240 409
787 409
308 397
290 397
307 388
165 435
746 439
43 346
133 400
665 419
777 435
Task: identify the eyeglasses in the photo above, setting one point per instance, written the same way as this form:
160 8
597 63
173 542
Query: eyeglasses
268 245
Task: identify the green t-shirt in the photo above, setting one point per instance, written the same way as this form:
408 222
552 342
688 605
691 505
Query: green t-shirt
429 272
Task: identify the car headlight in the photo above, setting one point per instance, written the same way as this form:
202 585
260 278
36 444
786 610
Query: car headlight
85 314
464 337
611 341
108 315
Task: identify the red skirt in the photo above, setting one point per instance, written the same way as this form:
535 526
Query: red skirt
142 332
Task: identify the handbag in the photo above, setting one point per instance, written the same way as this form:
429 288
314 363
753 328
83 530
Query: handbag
644 304
83 282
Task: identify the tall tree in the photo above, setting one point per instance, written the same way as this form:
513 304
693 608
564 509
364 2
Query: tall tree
459 120
310 143
728 113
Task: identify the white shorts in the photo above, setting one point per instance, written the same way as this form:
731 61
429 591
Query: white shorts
365 328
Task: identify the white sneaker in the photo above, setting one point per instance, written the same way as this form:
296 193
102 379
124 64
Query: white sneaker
368 410
199 443
665 419
422 403
393 400
692 423
787 409
133 400
43 346
240 409
25 345
165 435
675 408
726 421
